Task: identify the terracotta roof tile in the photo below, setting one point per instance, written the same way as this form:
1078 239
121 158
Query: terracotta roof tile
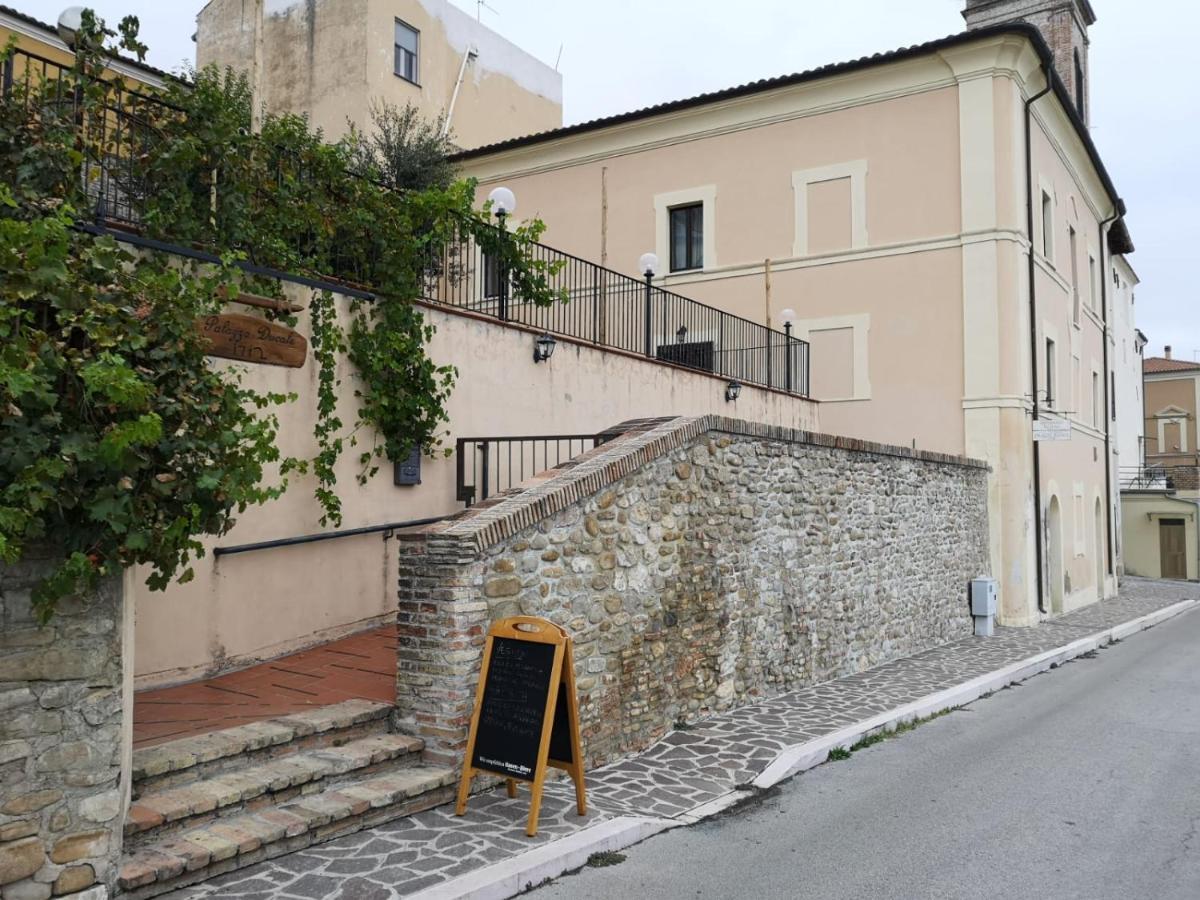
1154 365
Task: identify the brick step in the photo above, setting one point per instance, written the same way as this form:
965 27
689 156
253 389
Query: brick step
160 814
238 841
187 760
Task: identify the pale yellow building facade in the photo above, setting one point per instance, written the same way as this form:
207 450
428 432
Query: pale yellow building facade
886 203
331 59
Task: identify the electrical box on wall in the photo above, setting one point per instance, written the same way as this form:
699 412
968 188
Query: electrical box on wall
984 593
408 471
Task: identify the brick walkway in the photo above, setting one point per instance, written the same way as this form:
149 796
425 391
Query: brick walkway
676 776
360 667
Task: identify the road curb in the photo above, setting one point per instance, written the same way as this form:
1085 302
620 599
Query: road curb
512 876
802 757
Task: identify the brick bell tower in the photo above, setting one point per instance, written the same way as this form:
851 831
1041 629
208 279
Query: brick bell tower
1063 23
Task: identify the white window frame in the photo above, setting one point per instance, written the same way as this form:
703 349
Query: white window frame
860 331
1172 415
1098 410
416 79
1051 383
706 195
856 171
1076 297
1046 189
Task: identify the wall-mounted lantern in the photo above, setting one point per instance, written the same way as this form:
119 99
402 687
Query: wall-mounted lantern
543 347
733 390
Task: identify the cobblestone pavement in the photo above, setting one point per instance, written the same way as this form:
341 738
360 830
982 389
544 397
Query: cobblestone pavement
685 769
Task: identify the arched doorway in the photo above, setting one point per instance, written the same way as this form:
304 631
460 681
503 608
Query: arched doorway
1054 561
1100 554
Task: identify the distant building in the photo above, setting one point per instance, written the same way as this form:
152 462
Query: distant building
1160 501
950 289
330 59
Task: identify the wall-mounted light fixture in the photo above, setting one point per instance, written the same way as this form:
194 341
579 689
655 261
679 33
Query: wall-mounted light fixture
543 347
733 390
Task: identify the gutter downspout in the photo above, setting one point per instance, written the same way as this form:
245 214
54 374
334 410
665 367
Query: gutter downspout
472 53
1118 211
1033 341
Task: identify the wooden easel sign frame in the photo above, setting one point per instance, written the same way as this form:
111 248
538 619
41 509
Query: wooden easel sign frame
526 716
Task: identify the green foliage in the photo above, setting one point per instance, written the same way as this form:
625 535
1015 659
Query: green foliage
407 151
118 441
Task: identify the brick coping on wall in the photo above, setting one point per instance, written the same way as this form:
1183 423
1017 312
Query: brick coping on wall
640 442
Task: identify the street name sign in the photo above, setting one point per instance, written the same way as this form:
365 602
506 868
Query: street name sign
1051 429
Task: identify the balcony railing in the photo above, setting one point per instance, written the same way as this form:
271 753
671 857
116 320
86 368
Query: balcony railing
1159 478
596 305
490 465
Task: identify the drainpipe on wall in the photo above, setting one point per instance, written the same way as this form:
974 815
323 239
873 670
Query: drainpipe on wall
1033 341
472 53
1119 210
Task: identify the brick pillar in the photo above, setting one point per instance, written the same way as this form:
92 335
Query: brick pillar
63 738
441 622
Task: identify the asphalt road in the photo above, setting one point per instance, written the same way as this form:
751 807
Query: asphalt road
1083 782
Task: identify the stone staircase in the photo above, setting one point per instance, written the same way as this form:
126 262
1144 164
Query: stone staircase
206 805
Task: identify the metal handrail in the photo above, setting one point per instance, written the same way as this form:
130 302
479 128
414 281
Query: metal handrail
485 472
324 536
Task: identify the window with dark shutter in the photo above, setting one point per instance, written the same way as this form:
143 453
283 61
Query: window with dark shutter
407 40
687 237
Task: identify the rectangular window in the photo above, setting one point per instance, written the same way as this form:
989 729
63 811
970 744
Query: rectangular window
1076 400
407 40
1097 401
1073 249
1112 394
1050 373
1093 284
1047 226
687 237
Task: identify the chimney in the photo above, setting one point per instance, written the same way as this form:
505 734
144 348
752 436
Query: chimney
1167 351
1063 23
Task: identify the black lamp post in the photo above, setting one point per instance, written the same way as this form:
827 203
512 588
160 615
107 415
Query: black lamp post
503 202
788 316
648 265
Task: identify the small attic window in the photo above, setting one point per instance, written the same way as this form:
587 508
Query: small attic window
1080 93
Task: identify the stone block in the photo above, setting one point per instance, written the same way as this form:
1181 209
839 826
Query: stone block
26 890
20 859
73 879
79 846
31 802
10 831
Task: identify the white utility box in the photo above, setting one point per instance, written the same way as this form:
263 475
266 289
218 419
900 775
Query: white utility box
984 594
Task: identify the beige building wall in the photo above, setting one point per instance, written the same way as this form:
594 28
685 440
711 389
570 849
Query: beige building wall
1142 515
1172 433
330 59
245 607
887 207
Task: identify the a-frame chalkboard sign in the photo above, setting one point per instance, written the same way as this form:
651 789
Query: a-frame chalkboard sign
526 714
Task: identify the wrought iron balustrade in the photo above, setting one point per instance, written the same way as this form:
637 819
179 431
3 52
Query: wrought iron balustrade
487 466
595 304
1151 477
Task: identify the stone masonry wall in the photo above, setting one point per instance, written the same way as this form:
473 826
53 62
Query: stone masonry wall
700 564
61 741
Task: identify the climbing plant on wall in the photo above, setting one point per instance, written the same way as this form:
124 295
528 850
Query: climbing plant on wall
119 441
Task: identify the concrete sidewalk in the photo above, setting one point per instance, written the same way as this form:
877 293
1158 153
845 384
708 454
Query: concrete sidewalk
689 775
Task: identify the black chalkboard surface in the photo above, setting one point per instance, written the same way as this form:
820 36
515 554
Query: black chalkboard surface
528 666
515 698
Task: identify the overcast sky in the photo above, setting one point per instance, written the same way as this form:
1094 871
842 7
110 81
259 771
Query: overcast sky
623 54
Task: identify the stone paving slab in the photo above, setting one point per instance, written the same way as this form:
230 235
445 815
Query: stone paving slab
685 770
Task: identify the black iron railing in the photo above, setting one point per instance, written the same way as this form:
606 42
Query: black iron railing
594 304
489 465
608 309
1151 477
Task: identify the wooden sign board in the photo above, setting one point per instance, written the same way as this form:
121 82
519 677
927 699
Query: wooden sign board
254 340
526 716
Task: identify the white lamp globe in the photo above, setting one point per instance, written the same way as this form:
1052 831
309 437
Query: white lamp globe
788 315
503 201
648 263
69 23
